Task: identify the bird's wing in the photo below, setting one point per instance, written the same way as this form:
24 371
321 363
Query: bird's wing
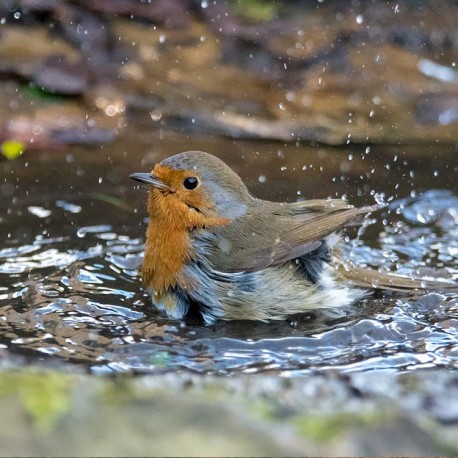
256 241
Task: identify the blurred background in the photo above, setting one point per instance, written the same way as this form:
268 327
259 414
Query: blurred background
304 99
333 72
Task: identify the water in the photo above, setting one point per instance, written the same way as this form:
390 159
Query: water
71 245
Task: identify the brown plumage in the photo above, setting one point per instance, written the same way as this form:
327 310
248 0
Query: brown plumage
373 279
211 245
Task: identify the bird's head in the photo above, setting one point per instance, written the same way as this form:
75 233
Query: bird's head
199 182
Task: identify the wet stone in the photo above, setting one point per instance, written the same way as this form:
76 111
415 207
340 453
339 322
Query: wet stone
184 414
59 75
445 407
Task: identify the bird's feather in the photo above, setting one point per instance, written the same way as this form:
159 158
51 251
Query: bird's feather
369 278
254 242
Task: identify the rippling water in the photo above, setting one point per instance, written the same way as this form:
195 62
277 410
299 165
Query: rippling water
70 291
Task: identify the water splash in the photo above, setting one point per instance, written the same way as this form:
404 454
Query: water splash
84 303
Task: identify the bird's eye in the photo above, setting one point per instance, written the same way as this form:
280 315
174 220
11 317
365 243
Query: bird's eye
190 183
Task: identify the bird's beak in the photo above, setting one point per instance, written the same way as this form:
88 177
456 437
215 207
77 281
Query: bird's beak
150 179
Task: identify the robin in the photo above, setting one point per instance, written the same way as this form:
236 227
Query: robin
211 245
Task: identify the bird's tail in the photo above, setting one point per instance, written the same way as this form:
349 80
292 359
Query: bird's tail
373 279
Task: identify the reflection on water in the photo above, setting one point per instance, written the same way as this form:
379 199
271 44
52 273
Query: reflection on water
70 291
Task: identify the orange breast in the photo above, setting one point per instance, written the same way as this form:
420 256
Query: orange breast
168 246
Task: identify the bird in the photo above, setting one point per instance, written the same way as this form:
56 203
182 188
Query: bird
213 248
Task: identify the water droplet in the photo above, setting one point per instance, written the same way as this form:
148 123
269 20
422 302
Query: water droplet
67 206
379 198
156 115
262 178
375 283
376 100
438 71
110 110
290 96
39 211
306 101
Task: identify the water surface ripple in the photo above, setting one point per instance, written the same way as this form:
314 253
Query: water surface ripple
76 296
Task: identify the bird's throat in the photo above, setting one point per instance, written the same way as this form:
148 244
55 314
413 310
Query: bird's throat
168 245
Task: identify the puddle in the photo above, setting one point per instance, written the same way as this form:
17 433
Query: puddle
73 229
